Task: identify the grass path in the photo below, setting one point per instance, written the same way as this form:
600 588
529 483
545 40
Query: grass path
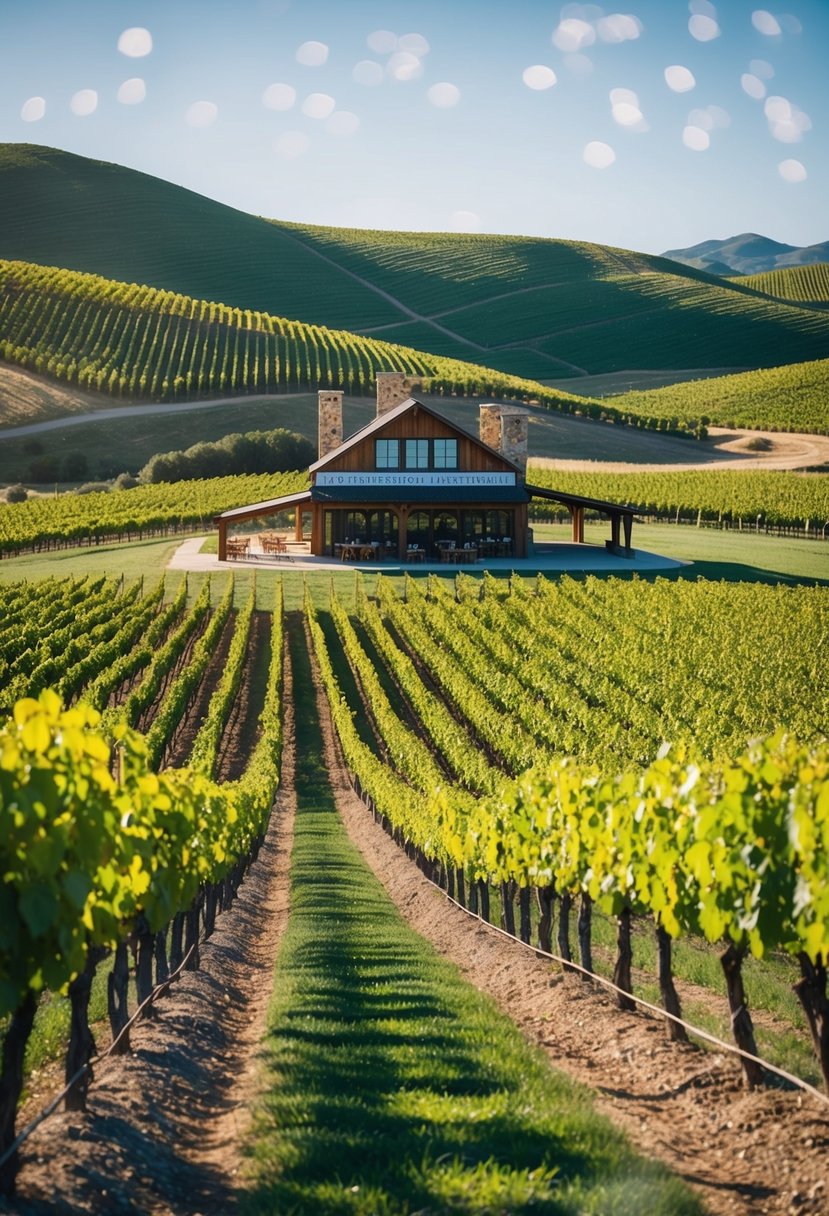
392 1086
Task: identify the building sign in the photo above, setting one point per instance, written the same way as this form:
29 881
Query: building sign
402 479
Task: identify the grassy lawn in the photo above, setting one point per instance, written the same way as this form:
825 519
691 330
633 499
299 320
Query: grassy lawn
391 1085
733 556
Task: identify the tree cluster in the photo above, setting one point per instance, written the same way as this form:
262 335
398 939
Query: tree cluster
276 451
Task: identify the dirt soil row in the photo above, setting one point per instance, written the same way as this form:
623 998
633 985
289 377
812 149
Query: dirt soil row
165 1125
747 1154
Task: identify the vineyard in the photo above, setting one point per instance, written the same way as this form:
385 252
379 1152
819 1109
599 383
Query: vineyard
135 342
513 736
791 398
526 307
698 834
750 498
799 284
42 524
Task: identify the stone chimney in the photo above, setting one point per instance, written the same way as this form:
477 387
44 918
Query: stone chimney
330 420
514 435
392 389
490 426
504 429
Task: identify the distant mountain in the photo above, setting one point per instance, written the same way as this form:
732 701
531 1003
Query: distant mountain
748 253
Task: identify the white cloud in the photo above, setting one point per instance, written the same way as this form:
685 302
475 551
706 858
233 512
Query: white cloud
404 66
792 171
679 78
703 28
33 109
291 144
279 97
382 42
753 85
201 114
342 122
709 118
312 54
761 68
465 221
598 155
696 139
415 44
790 23
786 122
135 42
619 27
444 95
539 76
132 92
368 72
573 34
766 23
318 105
703 7
627 115
626 110
84 102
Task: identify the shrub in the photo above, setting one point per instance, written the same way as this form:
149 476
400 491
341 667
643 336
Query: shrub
17 493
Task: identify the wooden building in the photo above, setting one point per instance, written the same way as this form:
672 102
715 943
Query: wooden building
412 485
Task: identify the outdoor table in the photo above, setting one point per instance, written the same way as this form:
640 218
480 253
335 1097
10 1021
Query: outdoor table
415 555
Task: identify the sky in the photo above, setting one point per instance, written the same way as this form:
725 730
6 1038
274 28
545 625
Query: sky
652 127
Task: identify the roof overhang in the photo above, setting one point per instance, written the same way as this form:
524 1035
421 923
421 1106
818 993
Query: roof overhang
577 500
438 496
269 507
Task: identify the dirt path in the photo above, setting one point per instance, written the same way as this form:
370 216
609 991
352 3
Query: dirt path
178 749
747 1154
165 1125
786 450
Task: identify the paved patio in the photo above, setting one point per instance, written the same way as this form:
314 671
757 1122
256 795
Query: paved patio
550 557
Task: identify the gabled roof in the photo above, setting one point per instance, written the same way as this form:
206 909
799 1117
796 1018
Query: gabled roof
383 420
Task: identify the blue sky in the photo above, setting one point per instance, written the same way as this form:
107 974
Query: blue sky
516 116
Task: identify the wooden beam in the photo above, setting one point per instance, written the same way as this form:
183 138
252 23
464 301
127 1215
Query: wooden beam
578 524
222 540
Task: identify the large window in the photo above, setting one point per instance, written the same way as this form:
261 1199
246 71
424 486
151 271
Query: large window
387 453
417 453
445 454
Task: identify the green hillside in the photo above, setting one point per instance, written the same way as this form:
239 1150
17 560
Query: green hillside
136 343
791 398
536 308
799 284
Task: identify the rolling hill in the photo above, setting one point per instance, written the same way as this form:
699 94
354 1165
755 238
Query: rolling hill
747 254
544 309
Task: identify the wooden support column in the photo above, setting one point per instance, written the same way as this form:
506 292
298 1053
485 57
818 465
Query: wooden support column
222 540
298 524
578 525
615 536
402 532
627 521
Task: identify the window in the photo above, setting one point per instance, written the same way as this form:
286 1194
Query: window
417 453
387 453
445 454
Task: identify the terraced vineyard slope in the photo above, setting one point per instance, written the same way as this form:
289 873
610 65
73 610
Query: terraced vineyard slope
798 284
790 398
539 308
